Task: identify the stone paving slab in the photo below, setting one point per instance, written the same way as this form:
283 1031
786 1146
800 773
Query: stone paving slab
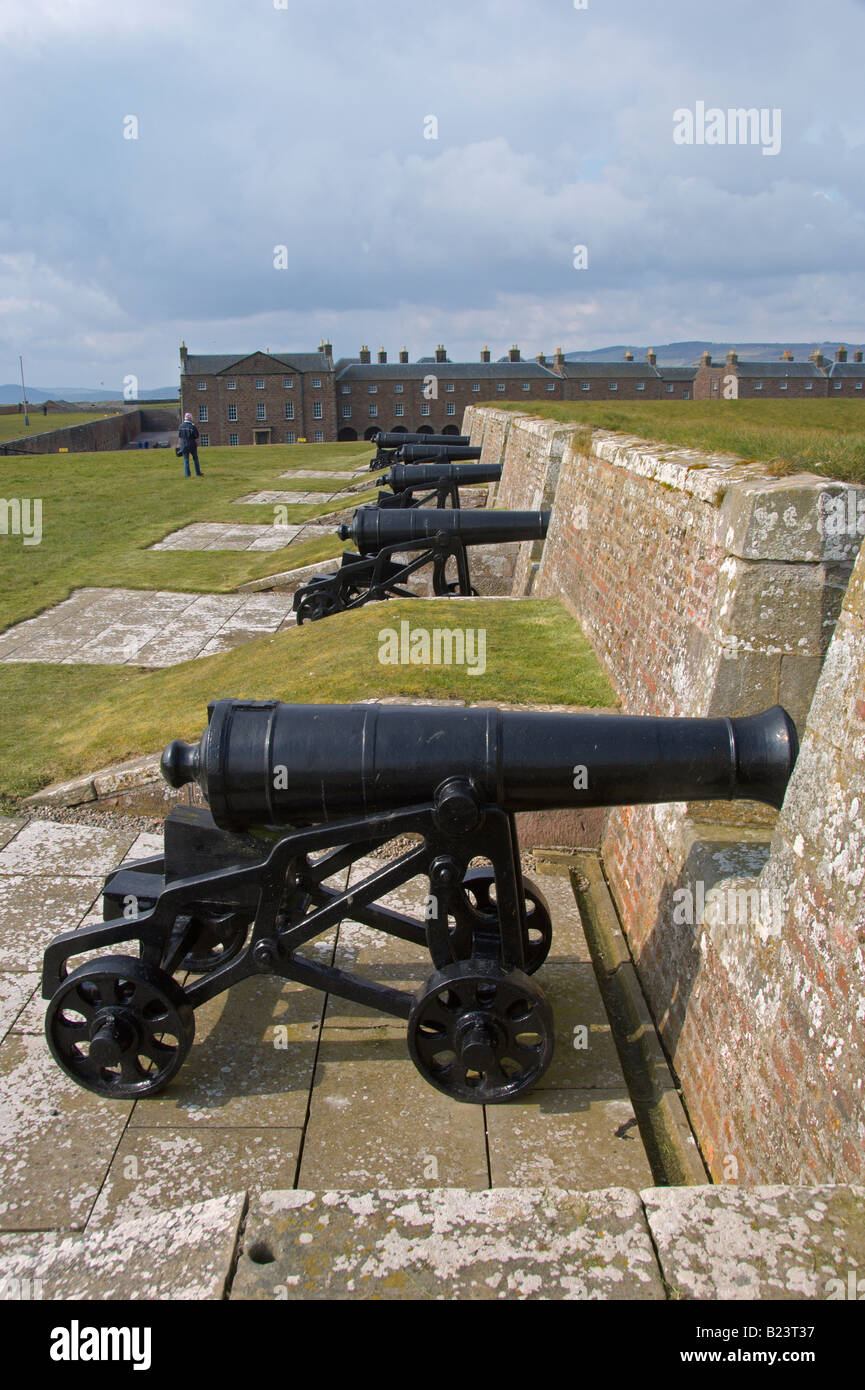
80 851
453 1245
241 536
292 499
35 910
182 1254
340 476
578 1138
15 991
762 1242
145 628
56 1140
157 1170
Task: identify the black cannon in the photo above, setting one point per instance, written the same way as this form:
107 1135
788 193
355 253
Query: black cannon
416 484
431 536
426 453
383 440
299 794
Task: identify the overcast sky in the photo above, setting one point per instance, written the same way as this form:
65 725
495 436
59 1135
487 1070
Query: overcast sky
301 123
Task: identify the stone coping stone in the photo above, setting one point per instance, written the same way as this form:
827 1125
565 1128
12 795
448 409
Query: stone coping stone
290 579
451 1244
185 1253
758 1242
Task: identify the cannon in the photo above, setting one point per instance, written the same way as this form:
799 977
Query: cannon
298 794
383 440
426 453
430 536
441 481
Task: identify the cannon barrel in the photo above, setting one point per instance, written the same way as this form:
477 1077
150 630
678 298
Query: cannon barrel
434 453
372 528
269 763
420 475
397 439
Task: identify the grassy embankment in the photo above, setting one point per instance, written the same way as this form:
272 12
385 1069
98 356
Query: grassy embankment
13 427
825 437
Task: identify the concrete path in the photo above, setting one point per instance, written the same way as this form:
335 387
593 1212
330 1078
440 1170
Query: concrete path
284 1085
216 535
144 627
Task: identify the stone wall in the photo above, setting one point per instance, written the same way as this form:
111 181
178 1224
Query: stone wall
110 433
709 587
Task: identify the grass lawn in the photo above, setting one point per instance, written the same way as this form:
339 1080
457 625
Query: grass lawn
60 721
13 427
101 511
825 437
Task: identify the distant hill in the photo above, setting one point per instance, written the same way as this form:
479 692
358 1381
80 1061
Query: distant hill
688 354
10 395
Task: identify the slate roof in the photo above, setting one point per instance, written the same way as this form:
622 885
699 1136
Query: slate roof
771 370
212 365
854 370
451 371
623 371
676 373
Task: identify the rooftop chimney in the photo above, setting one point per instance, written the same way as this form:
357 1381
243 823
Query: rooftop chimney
706 359
403 354
786 355
629 356
732 357
541 358
841 354
441 355
816 357
364 353
857 356
485 353
559 358
514 353
326 348
382 355
651 357
183 354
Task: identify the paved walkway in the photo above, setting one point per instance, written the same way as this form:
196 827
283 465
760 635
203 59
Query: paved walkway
215 535
283 1086
144 627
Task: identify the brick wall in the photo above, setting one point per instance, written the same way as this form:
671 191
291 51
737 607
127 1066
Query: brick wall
708 587
111 433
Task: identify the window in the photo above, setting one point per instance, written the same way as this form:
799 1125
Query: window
261 411
373 390
584 385
500 386
551 386
233 438
452 410
288 382
837 385
758 386
449 386
346 412
289 436
202 415
526 386
686 395
476 386
346 390
398 388
669 390
399 408
782 386
614 386
202 385
318 437
316 383
204 440
289 410
231 384
424 410
858 385
809 386
317 412
641 386
259 385
373 411
232 412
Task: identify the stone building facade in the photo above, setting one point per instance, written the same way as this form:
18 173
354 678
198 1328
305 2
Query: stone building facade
287 398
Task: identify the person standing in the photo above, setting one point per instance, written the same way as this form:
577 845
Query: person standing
188 435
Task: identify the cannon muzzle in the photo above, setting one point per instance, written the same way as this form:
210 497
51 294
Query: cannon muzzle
372 529
268 763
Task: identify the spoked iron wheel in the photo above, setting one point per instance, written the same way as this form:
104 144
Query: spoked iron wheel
219 937
482 908
480 1035
119 1027
315 605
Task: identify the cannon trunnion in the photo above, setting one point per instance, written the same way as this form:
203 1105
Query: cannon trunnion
300 794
